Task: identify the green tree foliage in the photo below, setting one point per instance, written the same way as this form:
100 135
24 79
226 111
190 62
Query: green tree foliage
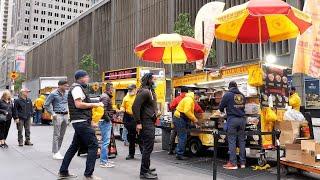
88 64
18 82
183 27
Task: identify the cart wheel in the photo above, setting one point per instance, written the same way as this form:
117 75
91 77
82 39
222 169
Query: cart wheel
195 146
262 161
284 170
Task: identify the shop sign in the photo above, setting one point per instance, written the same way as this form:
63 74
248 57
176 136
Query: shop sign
234 71
120 74
190 79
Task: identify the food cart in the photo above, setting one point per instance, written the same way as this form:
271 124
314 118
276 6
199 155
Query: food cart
122 78
213 85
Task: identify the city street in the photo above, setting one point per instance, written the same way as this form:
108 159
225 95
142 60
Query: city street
35 163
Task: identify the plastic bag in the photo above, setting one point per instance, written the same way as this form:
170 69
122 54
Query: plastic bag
271 115
293 115
97 114
255 77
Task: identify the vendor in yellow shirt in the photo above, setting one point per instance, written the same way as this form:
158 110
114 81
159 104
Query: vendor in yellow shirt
183 114
38 106
294 99
128 120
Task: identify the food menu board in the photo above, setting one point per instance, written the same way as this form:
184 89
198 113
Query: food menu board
312 91
276 85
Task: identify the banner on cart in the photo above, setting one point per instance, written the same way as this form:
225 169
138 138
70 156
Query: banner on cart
312 91
205 25
307 53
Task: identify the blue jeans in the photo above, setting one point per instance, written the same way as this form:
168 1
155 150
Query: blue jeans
124 135
237 125
37 117
180 126
105 128
84 134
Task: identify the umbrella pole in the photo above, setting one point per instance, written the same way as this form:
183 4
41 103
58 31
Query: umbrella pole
260 41
171 75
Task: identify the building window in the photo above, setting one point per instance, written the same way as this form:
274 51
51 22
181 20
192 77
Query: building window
63 16
28 4
49 29
49 13
50 6
63 8
69 9
36 11
69 2
87 5
69 16
62 23
43 4
26 28
81 11
56 7
49 21
36 3
41 36
35 27
81 4
43 20
57 0
35 35
26 36
26 20
76 3
75 10
28 12
43 28
56 22
36 19
43 12
64 1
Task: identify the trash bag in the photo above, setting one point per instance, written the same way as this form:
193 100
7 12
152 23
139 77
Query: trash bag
293 115
255 77
97 113
270 115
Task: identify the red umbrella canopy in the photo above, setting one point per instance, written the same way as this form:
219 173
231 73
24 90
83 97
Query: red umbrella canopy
170 49
266 19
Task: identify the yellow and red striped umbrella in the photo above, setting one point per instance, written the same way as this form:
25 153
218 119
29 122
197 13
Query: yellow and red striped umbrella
170 49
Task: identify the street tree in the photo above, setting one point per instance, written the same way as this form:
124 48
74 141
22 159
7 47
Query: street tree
88 64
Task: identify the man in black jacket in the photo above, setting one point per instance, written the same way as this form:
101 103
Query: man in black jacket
80 108
24 109
145 113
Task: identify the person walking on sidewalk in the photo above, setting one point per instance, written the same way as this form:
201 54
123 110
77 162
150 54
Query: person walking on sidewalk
57 105
38 106
8 112
80 109
105 126
145 115
24 109
234 103
182 116
129 122
172 107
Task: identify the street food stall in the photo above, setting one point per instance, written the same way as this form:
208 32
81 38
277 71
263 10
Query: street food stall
122 78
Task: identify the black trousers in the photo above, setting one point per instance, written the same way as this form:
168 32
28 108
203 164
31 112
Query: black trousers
4 129
147 137
132 136
85 135
172 143
23 123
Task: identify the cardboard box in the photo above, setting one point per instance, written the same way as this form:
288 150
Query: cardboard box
290 130
310 153
293 152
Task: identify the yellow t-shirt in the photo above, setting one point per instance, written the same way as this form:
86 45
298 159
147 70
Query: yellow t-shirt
127 103
39 104
295 101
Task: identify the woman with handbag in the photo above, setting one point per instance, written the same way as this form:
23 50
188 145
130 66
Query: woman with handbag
7 111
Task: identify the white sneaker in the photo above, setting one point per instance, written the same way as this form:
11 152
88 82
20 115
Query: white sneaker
111 162
107 165
57 156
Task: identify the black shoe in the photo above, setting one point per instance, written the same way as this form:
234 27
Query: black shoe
66 176
181 158
129 157
20 144
5 145
28 143
148 176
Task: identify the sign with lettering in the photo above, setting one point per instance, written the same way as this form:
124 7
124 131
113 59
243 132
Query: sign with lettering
120 74
312 91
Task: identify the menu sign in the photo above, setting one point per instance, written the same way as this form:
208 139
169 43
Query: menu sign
120 74
276 85
312 91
